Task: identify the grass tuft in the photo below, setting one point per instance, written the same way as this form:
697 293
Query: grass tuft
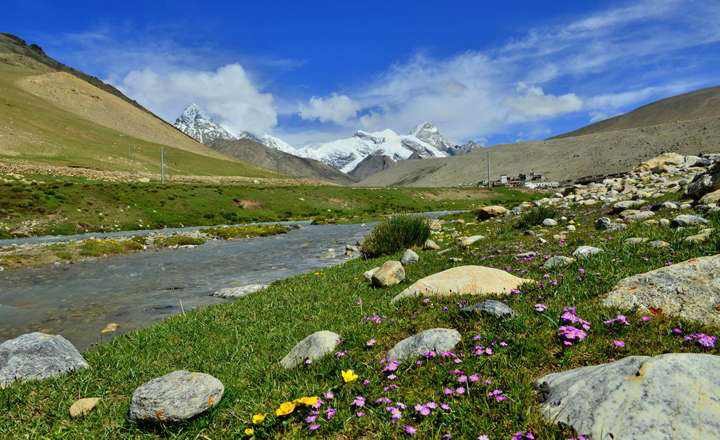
535 216
395 234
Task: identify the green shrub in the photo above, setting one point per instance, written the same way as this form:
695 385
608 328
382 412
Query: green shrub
395 234
100 247
230 232
535 217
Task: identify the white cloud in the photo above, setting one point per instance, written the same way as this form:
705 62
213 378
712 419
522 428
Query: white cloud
227 93
576 66
335 108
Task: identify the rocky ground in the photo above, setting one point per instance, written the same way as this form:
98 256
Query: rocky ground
592 313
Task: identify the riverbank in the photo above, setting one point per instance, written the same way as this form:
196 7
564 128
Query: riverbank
91 248
241 343
51 205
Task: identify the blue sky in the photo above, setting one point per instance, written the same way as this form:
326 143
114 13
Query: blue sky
312 71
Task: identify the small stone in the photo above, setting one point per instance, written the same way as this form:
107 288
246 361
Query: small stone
175 397
549 222
570 228
605 224
664 222
634 215
469 241
659 244
688 220
635 240
110 328
239 292
435 224
487 212
492 307
431 245
369 274
37 356
389 274
313 347
437 340
82 407
586 251
409 257
558 261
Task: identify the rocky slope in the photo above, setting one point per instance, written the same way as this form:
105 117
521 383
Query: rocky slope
569 158
701 103
372 164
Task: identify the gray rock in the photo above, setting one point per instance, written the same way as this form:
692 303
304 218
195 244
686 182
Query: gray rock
658 244
238 292
627 204
605 224
409 257
688 290
491 307
36 356
635 240
469 241
549 222
688 220
586 251
701 237
634 215
431 245
313 347
389 274
671 396
437 339
558 261
175 397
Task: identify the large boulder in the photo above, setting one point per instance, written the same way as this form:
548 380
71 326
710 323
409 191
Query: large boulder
635 215
704 183
671 396
436 339
238 292
389 274
586 251
313 347
689 290
688 220
464 280
36 356
487 212
175 397
712 197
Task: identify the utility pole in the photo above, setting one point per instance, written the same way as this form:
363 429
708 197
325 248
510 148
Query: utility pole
162 164
488 169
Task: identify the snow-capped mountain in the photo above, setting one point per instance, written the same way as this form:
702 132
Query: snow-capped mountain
199 126
345 154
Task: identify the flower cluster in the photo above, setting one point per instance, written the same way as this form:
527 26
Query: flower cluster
570 334
701 339
619 319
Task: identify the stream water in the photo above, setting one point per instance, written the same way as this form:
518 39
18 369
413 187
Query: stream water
134 290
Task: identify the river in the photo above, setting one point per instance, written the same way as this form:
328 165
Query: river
135 290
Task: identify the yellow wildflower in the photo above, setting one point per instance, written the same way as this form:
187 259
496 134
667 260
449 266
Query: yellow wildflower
258 419
308 400
349 376
249 432
285 408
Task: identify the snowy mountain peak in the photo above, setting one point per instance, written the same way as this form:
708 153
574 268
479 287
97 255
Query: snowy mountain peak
198 125
429 133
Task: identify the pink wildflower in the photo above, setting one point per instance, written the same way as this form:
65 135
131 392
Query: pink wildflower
701 339
540 307
618 343
570 334
409 430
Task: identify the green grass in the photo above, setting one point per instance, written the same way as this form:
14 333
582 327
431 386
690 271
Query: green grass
98 248
63 206
241 343
178 240
395 234
230 232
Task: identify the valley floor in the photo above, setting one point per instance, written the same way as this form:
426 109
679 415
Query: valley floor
51 205
241 343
